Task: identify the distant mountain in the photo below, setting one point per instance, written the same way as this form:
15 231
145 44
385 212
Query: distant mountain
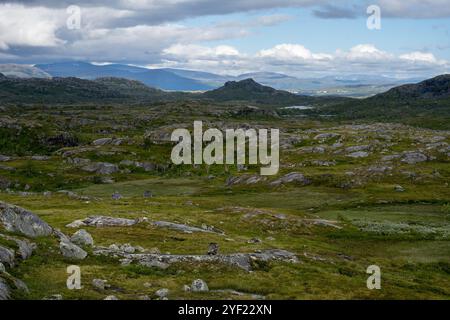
74 91
22 71
158 78
435 88
251 91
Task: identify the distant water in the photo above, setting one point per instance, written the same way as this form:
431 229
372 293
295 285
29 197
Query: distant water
299 107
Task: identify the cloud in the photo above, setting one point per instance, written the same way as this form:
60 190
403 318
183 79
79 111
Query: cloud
297 60
334 12
367 52
292 52
21 26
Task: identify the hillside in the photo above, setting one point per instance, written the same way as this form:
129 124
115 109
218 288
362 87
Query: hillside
157 78
435 88
425 104
251 91
74 90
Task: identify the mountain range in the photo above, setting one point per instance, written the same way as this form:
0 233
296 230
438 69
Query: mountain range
170 79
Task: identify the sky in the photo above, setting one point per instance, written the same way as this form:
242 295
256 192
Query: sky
304 38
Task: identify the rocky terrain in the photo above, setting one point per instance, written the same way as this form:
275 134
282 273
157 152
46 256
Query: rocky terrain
94 186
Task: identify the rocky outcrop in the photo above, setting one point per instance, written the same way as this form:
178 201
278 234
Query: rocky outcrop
7 256
16 219
293 177
5 291
241 260
104 168
414 157
180 227
103 221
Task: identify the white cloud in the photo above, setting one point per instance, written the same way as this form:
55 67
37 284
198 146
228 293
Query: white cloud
367 52
292 53
296 59
23 26
418 56
190 51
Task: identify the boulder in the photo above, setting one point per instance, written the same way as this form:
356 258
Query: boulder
358 154
102 141
162 293
357 148
101 168
180 227
414 157
7 256
5 291
100 284
111 298
326 136
82 238
72 251
293 177
116 196
103 221
16 219
213 249
199 285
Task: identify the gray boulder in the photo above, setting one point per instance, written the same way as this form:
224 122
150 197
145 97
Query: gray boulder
102 141
72 251
162 293
5 291
358 154
100 284
101 168
293 177
103 221
199 285
16 219
7 256
82 238
414 157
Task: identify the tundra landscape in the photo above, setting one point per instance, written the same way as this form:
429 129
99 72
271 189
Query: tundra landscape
238 157
93 185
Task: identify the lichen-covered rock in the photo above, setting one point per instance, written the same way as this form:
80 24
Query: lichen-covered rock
199 285
100 284
101 168
16 219
82 238
102 141
358 154
5 291
414 157
7 256
162 293
103 221
72 251
240 260
293 177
